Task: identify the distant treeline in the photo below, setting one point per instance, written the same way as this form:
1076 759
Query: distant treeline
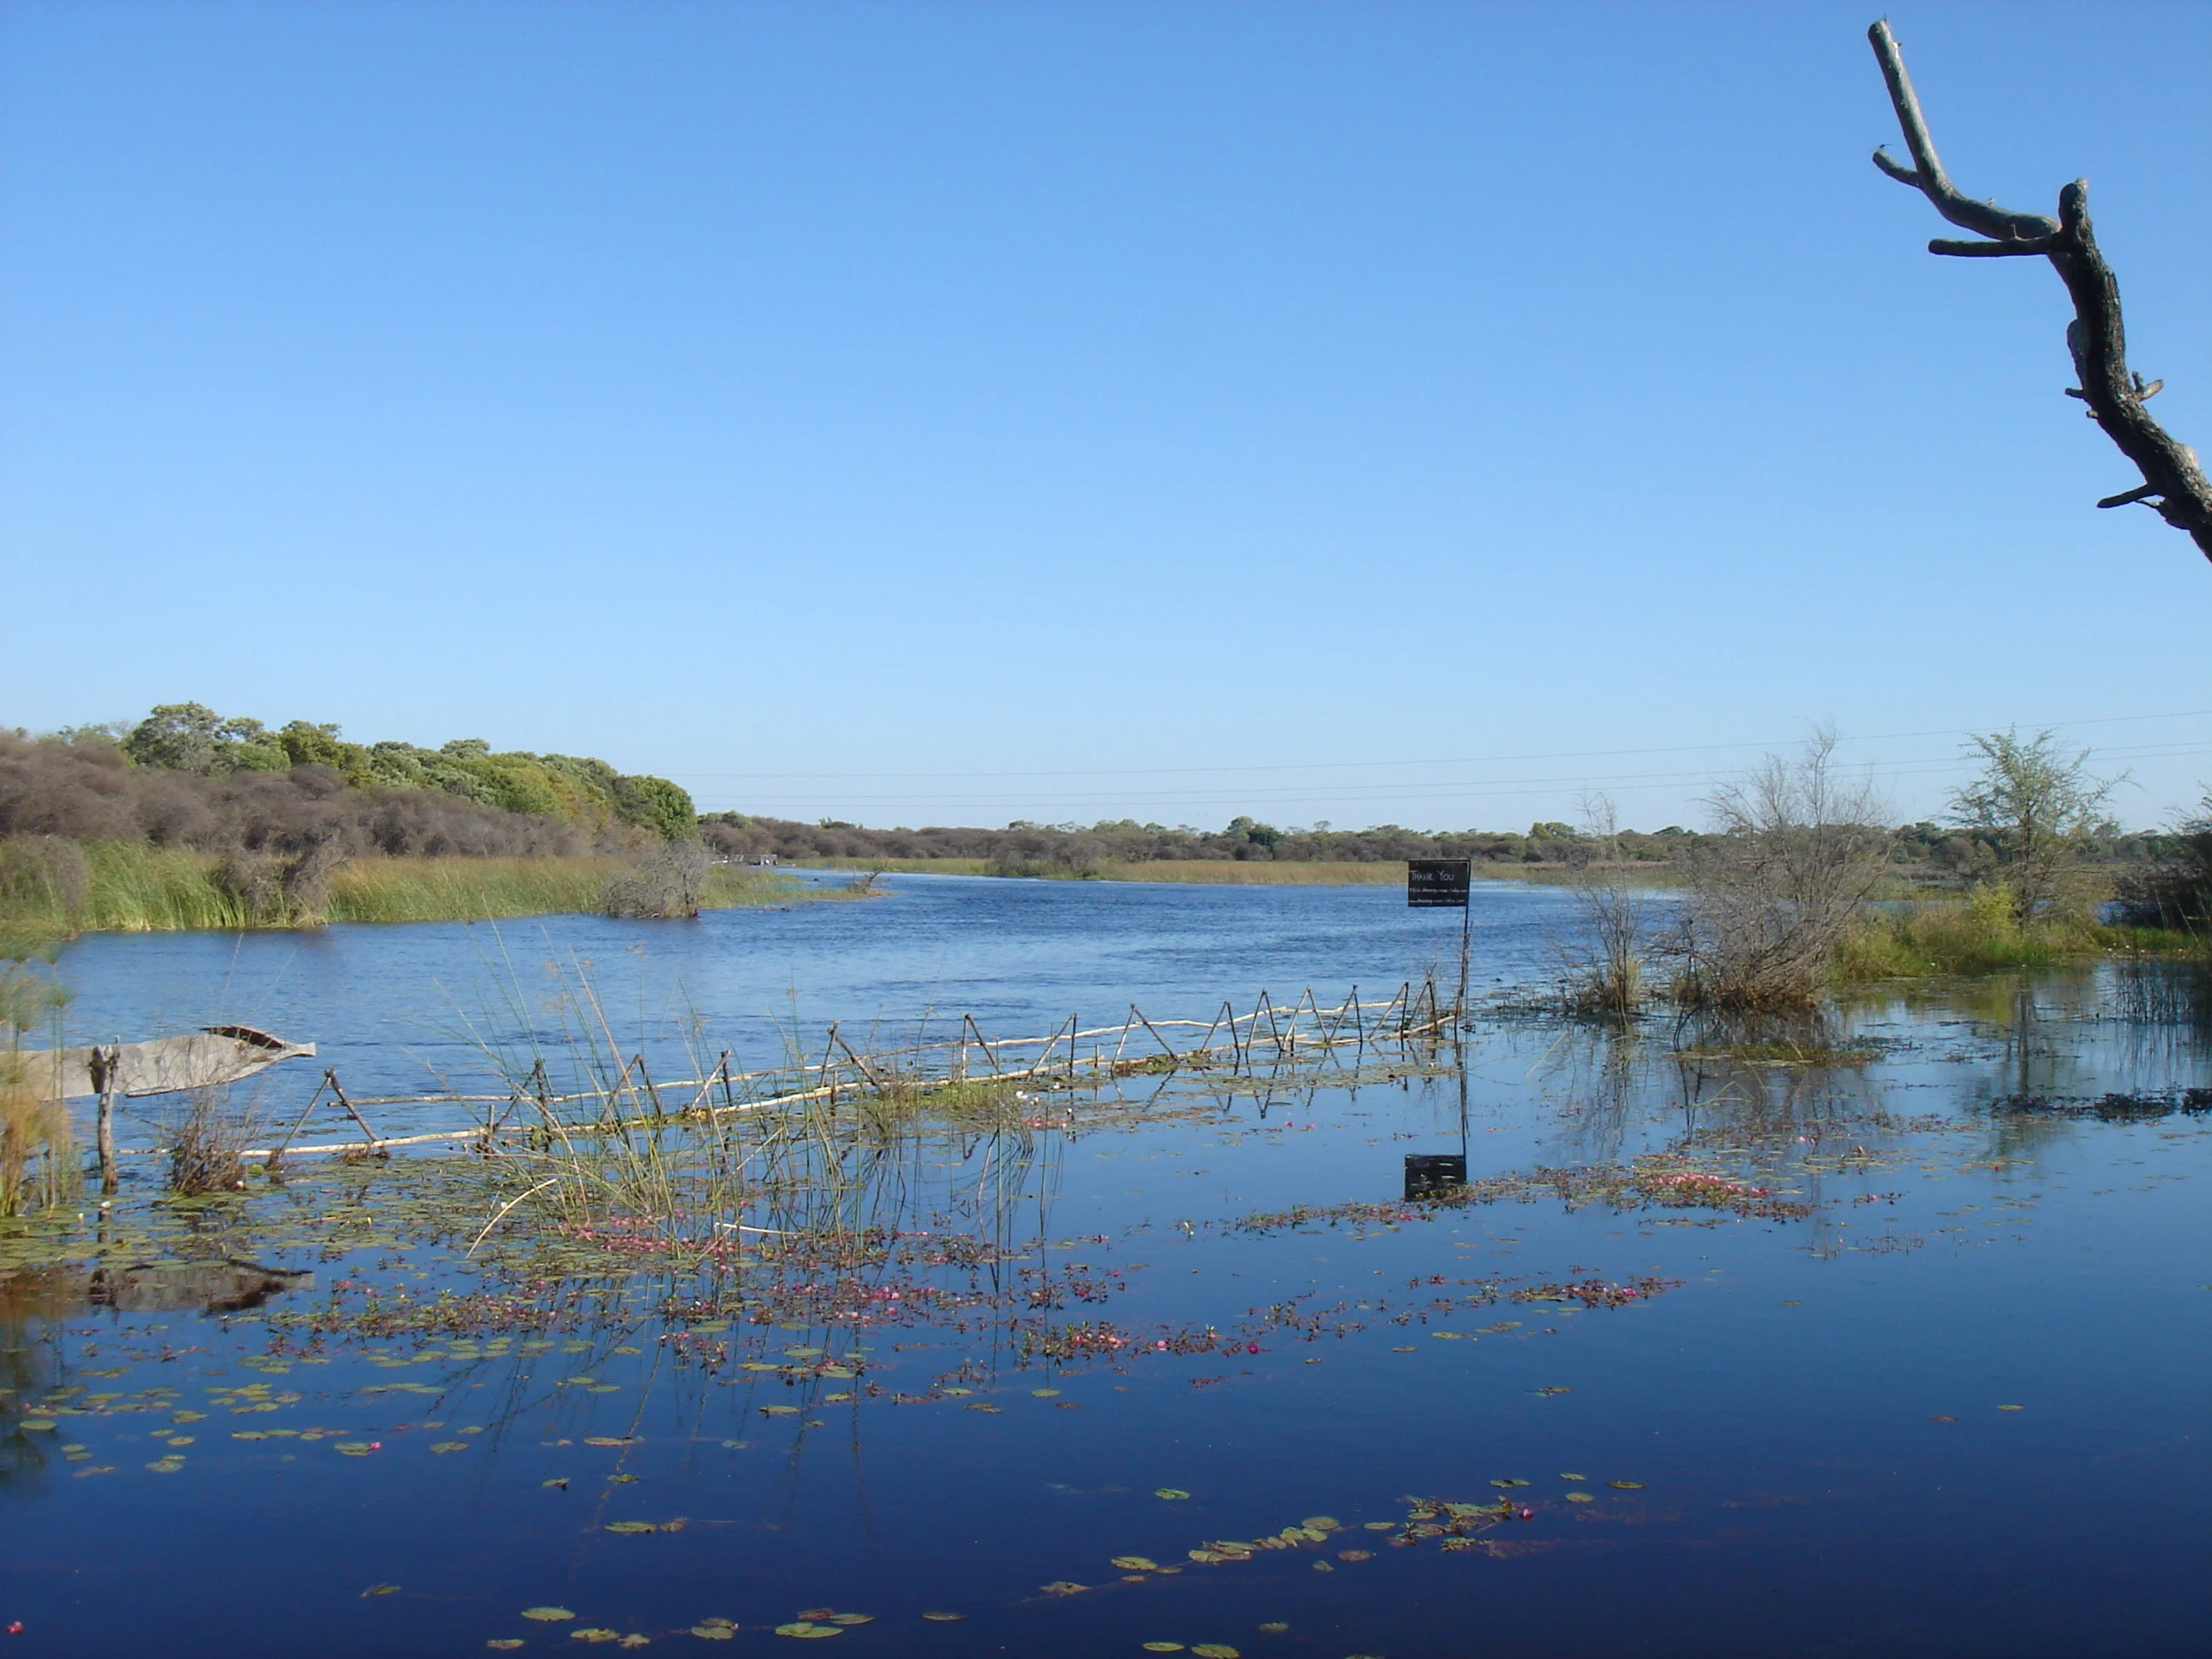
186 776
1023 848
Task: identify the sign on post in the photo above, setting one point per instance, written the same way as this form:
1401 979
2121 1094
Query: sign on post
1437 883
1441 884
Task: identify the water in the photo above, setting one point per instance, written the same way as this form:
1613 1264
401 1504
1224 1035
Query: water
1951 1399
397 1008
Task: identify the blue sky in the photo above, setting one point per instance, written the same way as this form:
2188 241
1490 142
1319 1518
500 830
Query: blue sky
927 413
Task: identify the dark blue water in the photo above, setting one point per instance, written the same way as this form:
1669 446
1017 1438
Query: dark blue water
1958 1405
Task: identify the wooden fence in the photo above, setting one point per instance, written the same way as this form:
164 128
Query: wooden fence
1272 1034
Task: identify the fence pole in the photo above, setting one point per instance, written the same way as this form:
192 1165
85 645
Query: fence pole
107 1068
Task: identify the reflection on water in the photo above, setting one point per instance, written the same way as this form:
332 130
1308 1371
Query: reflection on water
1670 1338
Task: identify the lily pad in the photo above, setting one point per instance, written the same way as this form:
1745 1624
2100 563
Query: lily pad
1162 1647
504 1642
450 1446
1136 1563
1171 1493
547 1615
1215 1651
594 1634
713 1632
807 1631
381 1590
1626 1485
1582 1497
940 1617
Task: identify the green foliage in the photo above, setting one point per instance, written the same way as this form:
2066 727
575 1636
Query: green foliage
2035 808
190 737
1981 933
657 804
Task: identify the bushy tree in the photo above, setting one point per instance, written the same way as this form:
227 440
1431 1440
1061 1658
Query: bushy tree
2033 807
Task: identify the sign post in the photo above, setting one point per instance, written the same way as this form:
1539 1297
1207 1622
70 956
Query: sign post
1441 884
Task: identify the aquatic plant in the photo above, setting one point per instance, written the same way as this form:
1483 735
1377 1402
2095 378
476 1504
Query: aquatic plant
35 1167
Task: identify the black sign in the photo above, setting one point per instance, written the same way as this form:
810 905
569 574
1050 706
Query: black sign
1437 883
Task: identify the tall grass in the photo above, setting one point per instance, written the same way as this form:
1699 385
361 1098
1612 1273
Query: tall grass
131 887
1979 933
35 1168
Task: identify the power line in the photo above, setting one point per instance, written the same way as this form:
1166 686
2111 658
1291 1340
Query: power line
1445 789
1462 760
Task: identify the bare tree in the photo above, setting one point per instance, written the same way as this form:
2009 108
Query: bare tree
1798 850
1602 967
2174 484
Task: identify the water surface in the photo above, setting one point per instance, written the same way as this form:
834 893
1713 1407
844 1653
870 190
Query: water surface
1934 1382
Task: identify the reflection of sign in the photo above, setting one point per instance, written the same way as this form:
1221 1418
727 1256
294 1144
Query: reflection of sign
1437 883
1431 1175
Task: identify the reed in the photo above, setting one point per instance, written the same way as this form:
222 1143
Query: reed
133 887
36 1168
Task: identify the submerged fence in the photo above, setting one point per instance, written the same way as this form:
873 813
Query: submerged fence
1272 1034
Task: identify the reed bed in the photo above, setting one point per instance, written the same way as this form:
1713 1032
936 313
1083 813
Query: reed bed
587 1148
132 887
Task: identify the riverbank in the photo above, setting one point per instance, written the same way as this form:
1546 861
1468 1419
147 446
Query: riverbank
132 888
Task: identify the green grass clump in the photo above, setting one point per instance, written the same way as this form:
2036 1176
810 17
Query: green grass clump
1978 934
466 889
134 888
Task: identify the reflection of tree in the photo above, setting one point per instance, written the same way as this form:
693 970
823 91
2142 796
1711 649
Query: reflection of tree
2166 1007
32 1302
1601 1069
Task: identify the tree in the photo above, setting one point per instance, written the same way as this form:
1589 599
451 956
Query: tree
2034 807
2174 484
1797 849
2176 890
179 737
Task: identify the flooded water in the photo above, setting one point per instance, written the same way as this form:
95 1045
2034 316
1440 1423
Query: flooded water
396 1008
1729 1344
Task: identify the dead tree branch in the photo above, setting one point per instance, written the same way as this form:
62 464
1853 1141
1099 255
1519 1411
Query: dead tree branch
2174 484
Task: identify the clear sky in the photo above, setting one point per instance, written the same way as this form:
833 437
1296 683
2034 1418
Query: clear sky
952 413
